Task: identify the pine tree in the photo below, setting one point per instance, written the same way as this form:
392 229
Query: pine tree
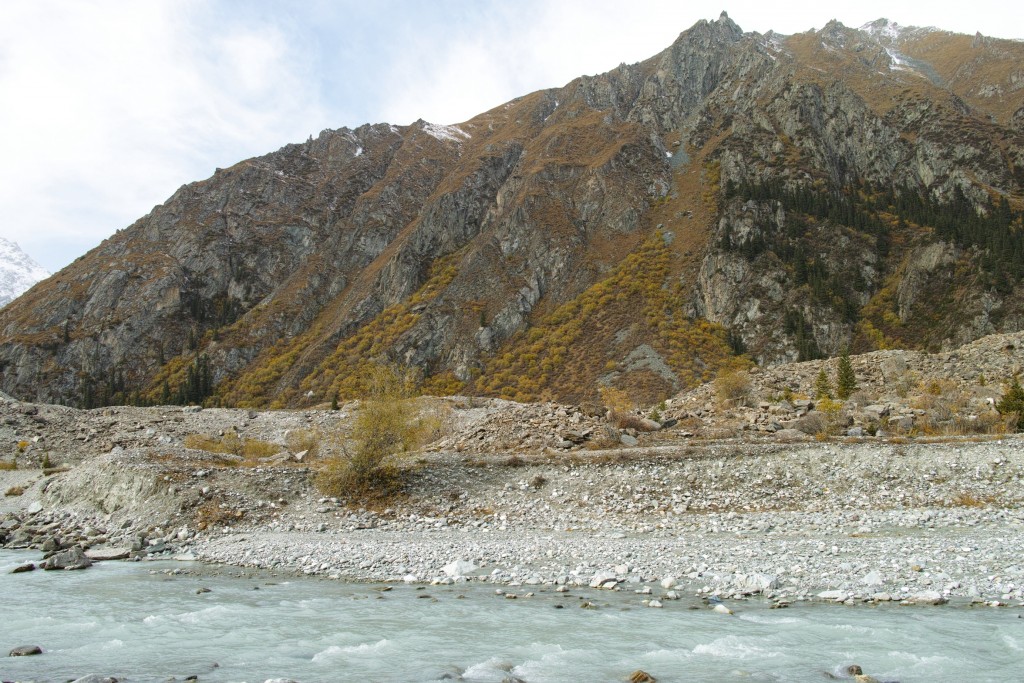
822 385
846 380
1012 403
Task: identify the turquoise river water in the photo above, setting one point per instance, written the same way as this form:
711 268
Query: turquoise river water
138 623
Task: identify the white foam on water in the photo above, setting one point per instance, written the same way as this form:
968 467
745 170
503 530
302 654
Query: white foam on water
762 619
733 647
337 651
202 616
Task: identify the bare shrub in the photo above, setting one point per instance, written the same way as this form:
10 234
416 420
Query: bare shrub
813 423
13 465
299 440
15 491
732 388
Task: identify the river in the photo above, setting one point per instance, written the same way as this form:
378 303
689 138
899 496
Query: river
141 622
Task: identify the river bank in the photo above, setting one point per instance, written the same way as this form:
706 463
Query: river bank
917 523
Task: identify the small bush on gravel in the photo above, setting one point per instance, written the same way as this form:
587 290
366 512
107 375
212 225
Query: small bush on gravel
15 491
386 425
732 388
13 465
308 440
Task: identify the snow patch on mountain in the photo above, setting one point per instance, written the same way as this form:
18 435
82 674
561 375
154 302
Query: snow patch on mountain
18 271
442 133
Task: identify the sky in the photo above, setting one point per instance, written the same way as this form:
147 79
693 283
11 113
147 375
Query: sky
108 106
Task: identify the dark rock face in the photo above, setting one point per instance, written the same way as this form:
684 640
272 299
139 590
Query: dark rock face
442 246
26 651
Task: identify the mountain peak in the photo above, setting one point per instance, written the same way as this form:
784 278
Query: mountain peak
18 271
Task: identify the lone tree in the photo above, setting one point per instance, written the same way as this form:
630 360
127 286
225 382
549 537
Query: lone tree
1012 404
846 380
822 385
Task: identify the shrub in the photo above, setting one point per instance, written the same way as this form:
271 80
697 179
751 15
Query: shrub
300 440
732 388
15 491
13 465
387 425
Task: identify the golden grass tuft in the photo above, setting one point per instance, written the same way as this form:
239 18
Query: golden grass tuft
232 444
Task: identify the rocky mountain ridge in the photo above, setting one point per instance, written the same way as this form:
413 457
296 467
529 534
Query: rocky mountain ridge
775 196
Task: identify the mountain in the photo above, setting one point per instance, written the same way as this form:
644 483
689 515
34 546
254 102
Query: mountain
736 198
18 271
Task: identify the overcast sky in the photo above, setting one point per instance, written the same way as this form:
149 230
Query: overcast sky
107 107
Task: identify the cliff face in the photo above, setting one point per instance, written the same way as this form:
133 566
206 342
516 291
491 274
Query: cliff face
783 196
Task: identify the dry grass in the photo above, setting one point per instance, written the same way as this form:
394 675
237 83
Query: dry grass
232 444
7 466
211 514
969 500
15 491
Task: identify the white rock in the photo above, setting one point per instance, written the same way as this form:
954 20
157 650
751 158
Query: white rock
410 578
721 609
35 507
872 579
668 582
833 595
601 578
755 583
459 568
927 598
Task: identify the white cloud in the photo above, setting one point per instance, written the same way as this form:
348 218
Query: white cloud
110 107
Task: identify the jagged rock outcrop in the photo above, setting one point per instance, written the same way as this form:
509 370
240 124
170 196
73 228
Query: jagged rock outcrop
783 196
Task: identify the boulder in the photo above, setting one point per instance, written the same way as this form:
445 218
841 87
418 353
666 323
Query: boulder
927 598
628 441
837 596
755 583
104 554
23 568
600 579
641 676
459 568
26 651
72 558
872 578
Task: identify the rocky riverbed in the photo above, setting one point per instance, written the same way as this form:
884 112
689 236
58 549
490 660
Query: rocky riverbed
528 495
845 522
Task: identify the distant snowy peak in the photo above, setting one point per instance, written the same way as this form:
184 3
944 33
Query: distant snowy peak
18 271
